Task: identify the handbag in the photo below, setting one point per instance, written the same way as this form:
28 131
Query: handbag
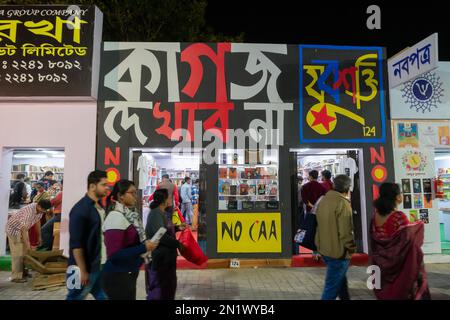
192 252
306 235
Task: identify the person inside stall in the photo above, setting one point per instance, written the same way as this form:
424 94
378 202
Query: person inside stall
326 180
29 187
312 191
172 189
47 179
195 196
35 231
47 228
162 271
20 194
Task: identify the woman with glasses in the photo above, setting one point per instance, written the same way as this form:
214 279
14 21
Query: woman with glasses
125 243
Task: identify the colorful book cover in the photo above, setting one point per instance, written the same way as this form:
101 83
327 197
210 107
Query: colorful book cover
223 173
407 204
406 185
252 190
424 216
261 189
408 135
273 191
444 136
226 188
418 203
250 173
233 190
428 201
243 189
232 173
426 185
417 187
413 215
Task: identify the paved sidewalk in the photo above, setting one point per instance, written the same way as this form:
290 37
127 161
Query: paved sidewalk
246 284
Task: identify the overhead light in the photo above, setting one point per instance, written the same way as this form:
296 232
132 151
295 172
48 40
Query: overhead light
59 156
442 157
30 156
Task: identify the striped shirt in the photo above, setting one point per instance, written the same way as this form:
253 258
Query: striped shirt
24 218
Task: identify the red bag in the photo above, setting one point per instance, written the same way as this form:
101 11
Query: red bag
192 251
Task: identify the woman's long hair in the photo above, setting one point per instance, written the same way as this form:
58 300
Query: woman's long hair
387 201
119 189
159 197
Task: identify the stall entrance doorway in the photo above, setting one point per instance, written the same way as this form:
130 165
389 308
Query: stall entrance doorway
330 162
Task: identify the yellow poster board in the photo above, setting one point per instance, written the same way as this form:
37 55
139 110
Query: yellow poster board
248 232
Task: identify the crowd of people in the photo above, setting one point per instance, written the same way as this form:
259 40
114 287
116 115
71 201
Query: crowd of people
109 243
41 203
395 242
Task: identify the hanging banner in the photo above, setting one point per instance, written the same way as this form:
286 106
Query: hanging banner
414 61
341 94
49 51
426 97
248 232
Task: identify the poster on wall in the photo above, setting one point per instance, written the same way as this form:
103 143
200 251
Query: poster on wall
425 97
422 135
341 94
415 170
50 50
408 135
248 232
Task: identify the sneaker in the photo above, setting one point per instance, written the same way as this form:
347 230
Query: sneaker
19 280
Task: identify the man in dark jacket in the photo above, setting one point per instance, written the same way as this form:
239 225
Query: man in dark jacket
334 237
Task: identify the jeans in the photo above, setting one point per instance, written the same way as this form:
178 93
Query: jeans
47 232
93 287
186 210
336 279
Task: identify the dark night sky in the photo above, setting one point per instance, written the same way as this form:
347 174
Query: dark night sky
403 23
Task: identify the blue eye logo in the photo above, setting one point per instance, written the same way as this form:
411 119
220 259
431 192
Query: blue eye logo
424 93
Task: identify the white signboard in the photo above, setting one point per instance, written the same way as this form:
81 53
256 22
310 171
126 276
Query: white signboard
414 61
425 97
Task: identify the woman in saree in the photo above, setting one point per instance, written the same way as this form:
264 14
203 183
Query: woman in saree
397 249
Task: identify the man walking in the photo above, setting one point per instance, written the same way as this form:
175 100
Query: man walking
86 247
334 237
186 195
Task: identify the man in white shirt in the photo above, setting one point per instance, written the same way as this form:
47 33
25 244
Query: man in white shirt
186 195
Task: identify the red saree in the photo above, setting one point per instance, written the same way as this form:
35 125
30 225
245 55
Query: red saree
399 255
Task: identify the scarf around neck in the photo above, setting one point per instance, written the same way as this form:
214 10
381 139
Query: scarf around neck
133 218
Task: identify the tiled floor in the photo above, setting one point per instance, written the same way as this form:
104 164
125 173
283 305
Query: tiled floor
246 284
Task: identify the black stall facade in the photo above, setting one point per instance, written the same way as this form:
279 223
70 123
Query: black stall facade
250 110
